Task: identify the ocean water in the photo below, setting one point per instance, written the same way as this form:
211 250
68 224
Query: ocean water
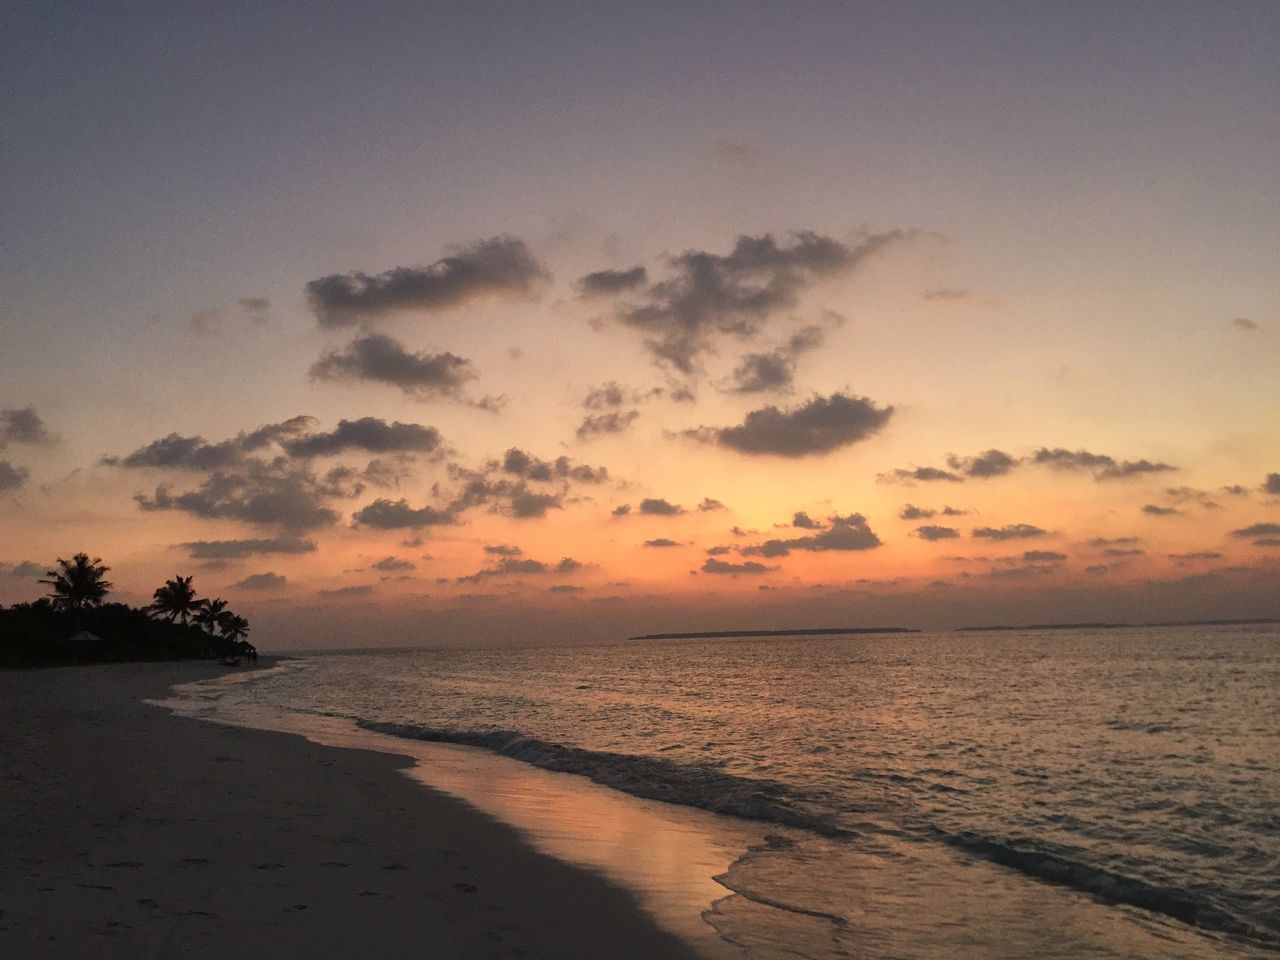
1077 793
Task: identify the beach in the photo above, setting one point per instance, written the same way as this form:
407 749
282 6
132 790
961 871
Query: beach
130 832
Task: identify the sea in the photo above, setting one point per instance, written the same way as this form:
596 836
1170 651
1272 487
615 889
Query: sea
1056 793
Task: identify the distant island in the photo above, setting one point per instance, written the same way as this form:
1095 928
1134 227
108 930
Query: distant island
1121 626
815 632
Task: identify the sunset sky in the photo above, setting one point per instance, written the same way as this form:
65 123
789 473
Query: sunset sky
399 325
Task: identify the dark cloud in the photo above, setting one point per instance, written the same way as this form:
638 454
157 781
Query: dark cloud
1244 323
612 394
516 565
255 309
23 568
1103 466
11 477
1043 556
394 565
931 532
718 551
23 425
843 533
657 507
355 590
1258 530
1156 510
501 266
920 475
911 512
567 565
661 542
565 588
709 504
622 510
609 283
519 463
712 565
774 371
705 295
606 424
377 358
262 581
1195 556
526 505
369 434
1013 531
1267 542
1191 495
1124 552
819 426
261 493
503 550
991 463
804 521
236 549
1235 490
384 514
176 452
1272 484
1114 541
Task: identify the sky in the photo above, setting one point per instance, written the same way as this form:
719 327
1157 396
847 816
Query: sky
400 323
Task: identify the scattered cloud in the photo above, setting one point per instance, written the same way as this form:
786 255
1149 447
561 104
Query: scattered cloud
23 425
11 477
261 494
710 504
712 565
1156 510
817 427
931 532
384 514
1258 530
661 542
500 266
394 565
991 463
377 358
1103 466
1124 552
1013 531
519 463
704 295
606 424
1272 484
255 309
1043 556
658 507
356 590
946 293
842 533
1244 323
237 549
262 581
610 283
918 475
1195 556
774 371
803 521
368 434
22 568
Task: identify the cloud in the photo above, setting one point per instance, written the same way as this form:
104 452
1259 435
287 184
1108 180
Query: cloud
377 358
1244 323
262 494
11 477
803 521
817 427
991 463
774 371
657 507
1114 541
844 533
911 512
1195 556
1258 530
23 568
605 424
502 550
501 266
704 295
567 565
237 549
1104 466
523 464
1013 531
932 533
918 475
355 590
513 564
255 309
384 514
1043 556
1272 484
23 425
262 581
712 565
622 510
1158 511
565 588
661 542
710 504
394 565
176 452
946 293
369 434
609 283
1124 552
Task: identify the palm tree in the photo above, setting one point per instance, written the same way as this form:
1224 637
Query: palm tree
234 628
176 600
79 583
210 614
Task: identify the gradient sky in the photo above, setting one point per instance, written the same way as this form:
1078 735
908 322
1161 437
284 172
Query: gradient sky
1031 248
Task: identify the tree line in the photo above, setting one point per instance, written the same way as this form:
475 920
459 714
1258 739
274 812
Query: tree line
75 623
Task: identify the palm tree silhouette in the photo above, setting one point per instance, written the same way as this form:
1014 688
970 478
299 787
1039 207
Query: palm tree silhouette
79 583
234 627
211 614
176 600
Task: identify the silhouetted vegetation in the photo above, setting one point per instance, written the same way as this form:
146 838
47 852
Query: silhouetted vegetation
73 624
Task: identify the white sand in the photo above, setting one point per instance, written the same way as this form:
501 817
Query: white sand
129 832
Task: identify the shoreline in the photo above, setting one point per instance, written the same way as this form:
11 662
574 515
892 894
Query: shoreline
136 832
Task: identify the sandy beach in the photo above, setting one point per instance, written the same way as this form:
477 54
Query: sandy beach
130 832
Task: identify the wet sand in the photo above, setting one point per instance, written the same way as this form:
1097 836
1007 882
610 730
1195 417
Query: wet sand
129 832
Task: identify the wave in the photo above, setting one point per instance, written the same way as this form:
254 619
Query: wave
653 778
1183 905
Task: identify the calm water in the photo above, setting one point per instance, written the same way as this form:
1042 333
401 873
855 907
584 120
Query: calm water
1063 794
